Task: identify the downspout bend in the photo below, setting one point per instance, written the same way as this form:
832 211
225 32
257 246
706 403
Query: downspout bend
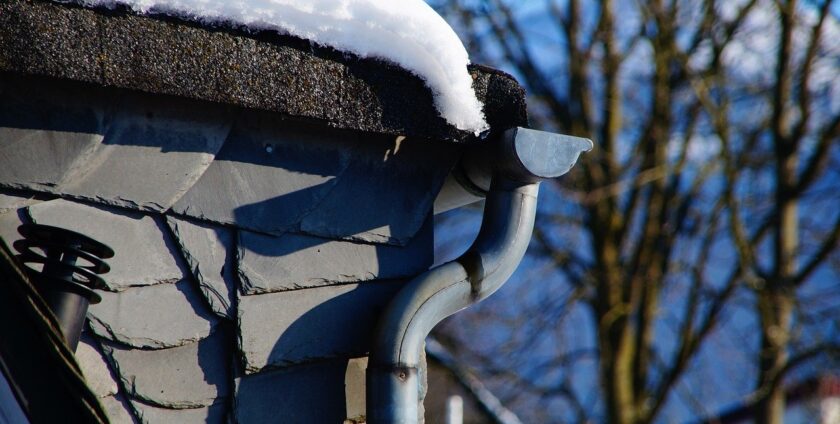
521 162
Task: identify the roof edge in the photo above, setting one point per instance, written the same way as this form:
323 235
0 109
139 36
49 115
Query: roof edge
232 65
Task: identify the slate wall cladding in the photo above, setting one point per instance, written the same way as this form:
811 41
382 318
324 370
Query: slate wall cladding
209 251
170 357
204 313
233 167
260 194
327 392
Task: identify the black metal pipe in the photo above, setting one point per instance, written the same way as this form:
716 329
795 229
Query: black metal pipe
66 286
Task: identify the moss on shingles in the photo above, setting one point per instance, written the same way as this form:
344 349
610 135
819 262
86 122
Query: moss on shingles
262 70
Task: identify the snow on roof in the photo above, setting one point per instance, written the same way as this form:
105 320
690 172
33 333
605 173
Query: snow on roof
406 32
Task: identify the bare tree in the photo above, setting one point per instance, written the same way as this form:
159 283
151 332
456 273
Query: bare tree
793 131
707 147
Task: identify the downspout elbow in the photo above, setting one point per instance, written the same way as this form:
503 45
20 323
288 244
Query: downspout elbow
524 158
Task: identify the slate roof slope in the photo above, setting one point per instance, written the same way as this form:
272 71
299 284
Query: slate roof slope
261 70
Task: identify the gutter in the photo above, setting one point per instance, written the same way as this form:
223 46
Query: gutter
518 162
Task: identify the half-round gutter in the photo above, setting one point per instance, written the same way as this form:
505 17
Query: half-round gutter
521 160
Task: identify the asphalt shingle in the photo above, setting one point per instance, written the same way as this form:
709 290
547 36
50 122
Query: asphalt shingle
262 70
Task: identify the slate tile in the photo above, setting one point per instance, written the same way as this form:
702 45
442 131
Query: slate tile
213 414
190 376
268 175
9 222
94 367
143 253
159 316
280 329
117 409
9 202
385 194
46 135
209 251
295 261
325 392
42 160
154 150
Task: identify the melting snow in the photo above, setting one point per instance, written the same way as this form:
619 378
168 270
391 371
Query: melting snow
406 32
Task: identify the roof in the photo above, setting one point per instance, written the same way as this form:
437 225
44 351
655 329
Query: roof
262 70
265 246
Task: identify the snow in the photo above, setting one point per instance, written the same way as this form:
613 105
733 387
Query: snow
408 33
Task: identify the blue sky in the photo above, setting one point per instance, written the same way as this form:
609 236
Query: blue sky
724 371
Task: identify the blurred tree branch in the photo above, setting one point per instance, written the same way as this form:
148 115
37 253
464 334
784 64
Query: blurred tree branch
653 83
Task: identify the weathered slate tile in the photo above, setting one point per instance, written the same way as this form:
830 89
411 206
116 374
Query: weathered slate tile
159 316
153 151
279 329
209 251
143 254
190 376
9 222
268 174
46 137
385 194
213 414
42 160
15 201
325 392
117 409
294 261
95 368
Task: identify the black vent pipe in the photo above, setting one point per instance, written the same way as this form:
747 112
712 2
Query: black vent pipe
50 255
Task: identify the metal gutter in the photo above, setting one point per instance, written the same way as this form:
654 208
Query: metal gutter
521 159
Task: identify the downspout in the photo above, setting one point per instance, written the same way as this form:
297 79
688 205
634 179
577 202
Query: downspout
520 160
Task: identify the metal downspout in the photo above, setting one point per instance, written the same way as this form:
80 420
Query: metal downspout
524 158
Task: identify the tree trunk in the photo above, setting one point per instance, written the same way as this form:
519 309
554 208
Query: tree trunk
776 312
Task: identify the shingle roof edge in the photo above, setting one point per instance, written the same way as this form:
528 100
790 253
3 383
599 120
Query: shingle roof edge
261 70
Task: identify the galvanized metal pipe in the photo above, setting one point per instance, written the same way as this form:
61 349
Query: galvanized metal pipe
502 241
523 159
